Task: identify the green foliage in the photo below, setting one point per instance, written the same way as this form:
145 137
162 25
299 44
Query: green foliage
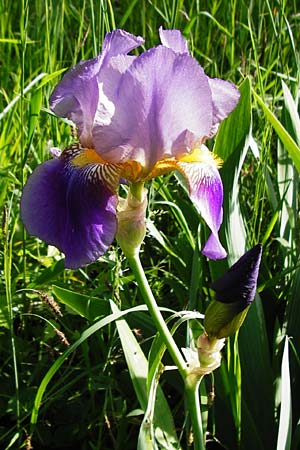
84 396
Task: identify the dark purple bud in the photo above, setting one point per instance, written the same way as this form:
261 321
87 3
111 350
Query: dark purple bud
238 284
235 291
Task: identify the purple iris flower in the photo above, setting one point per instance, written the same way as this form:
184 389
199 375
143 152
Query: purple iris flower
137 117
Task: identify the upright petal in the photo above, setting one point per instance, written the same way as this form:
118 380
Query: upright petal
173 39
163 104
206 191
77 95
225 97
120 42
70 207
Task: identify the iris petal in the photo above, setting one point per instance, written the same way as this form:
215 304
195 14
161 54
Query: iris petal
163 105
120 42
225 97
77 95
200 169
173 39
206 192
70 207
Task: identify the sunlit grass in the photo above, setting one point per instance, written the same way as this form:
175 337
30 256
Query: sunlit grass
90 402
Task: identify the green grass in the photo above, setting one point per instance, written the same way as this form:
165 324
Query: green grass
89 402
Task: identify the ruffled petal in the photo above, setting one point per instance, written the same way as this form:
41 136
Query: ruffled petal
163 105
77 95
225 97
206 192
120 42
70 207
173 39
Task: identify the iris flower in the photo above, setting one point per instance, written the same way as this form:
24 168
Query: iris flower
137 117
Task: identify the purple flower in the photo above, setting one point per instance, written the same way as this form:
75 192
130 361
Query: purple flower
137 117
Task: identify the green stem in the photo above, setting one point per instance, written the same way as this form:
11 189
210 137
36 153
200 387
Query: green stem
137 190
136 267
8 288
191 381
192 397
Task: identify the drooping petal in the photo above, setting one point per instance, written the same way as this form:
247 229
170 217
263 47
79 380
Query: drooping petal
206 192
225 97
71 207
200 169
163 105
173 39
77 95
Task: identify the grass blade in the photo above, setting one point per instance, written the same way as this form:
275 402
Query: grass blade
257 376
25 90
291 106
285 420
137 363
232 145
59 362
89 307
289 143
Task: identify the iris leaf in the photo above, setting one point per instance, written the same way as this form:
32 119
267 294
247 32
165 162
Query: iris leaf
285 420
230 136
62 358
89 307
289 143
163 425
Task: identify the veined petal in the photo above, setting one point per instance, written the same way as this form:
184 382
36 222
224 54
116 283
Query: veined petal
173 39
225 97
163 106
77 95
108 173
206 192
200 169
71 206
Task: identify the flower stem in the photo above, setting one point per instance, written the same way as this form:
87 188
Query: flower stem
191 381
192 398
156 315
137 190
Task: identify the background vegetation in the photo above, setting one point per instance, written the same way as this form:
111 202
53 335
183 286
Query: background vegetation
88 399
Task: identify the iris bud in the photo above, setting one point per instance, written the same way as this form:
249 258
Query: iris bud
235 291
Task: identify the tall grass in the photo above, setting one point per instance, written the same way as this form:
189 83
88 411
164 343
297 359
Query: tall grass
88 400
